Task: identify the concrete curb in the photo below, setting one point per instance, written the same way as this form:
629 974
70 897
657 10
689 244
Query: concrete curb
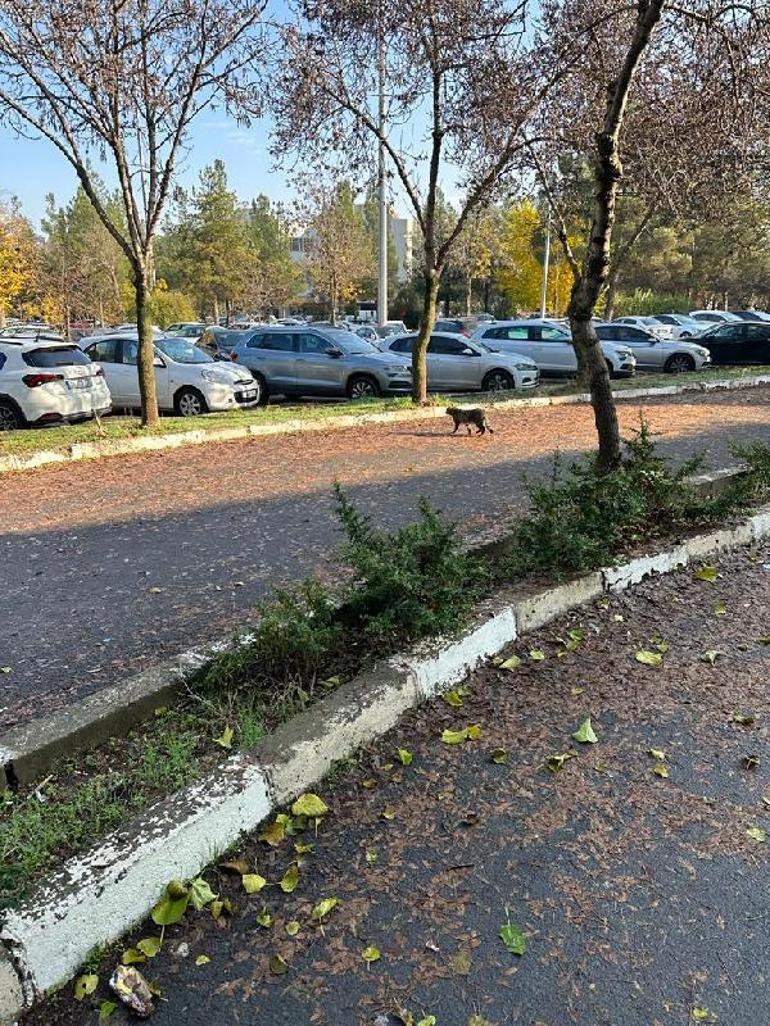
29 750
200 436
95 898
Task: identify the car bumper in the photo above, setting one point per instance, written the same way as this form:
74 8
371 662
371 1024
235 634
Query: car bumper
221 398
49 406
398 386
625 370
529 379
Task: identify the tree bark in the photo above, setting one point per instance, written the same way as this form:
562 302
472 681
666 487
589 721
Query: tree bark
612 292
146 358
468 296
216 310
419 352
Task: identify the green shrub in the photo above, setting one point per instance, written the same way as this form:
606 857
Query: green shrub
408 583
581 519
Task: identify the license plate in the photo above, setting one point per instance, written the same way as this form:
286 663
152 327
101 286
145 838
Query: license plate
81 383
248 395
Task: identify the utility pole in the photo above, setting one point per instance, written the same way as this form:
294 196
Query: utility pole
546 266
382 280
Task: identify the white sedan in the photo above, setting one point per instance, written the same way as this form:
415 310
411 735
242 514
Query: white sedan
188 381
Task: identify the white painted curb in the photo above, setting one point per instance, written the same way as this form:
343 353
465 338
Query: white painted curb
200 436
95 898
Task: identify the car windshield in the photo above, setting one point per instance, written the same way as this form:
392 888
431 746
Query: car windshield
351 344
181 351
58 356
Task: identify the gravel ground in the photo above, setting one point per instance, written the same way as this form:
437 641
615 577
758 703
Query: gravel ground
112 565
643 899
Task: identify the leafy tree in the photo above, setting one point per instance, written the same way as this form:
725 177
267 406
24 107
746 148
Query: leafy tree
338 252
273 280
125 79
17 256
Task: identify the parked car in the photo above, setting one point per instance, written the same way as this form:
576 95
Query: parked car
189 382
189 329
751 315
458 364
550 346
682 325
648 324
457 325
48 381
368 333
320 361
673 356
390 328
714 316
218 342
738 342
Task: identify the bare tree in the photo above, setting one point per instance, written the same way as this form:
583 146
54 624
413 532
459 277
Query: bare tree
463 79
122 80
644 69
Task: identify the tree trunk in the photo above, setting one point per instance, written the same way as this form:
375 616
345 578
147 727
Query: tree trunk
333 302
216 310
468 296
419 352
486 295
146 359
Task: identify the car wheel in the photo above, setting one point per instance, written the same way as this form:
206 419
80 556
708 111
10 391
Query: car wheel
10 418
679 363
362 387
263 394
498 381
188 402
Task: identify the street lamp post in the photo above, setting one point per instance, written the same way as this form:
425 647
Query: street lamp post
382 279
546 267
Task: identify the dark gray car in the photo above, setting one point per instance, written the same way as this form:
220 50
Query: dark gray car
320 361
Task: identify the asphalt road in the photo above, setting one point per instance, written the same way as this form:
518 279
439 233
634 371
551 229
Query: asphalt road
112 565
643 899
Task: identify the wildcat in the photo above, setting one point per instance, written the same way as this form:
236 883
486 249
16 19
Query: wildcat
468 417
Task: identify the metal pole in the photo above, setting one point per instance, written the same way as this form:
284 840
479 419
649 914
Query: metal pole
546 265
382 281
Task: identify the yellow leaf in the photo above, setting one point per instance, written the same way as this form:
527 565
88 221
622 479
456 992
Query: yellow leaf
370 954
388 812
452 698
290 879
149 946
274 834
293 927
85 985
225 739
309 805
253 882
202 960
512 663
323 908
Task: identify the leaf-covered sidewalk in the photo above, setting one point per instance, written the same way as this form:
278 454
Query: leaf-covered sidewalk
633 869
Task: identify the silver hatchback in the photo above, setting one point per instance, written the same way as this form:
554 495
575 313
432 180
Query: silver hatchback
458 364
320 361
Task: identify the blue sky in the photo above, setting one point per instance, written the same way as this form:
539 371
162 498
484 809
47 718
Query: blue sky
33 168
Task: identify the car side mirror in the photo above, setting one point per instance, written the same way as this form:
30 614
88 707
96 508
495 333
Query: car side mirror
157 362
335 354
469 352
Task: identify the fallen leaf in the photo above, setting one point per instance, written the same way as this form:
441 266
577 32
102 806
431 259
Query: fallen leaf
225 739
371 857
239 866
706 573
133 957
460 962
370 954
200 894
601 767
498 756
757 834
576 691
274 834
278 965
699 1014
290 879
369 783
512 936
85 985
585 733
555 762
388 813
427 1020
293 927
711 656
720 609
656 753
309 805
474 732
745 719
172 906
264 918
660 770
106 1008
649 658
512 663
332 682
253 882
405 757
454 737
6 669
155 591
452 698
323 908
202 960
751 762
537 655
149 946
618 618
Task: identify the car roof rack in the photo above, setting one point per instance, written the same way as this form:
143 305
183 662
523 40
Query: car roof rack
39 336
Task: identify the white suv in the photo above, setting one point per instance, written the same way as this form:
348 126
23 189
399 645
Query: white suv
44 381
188 381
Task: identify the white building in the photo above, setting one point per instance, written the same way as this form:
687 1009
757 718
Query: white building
402 230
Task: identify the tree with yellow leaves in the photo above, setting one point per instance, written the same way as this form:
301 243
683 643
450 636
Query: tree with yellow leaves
17 256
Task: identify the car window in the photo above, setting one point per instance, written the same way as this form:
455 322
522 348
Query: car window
514 333
733 332
610 331
548 334
3 358
314 344
59 356
128 352
636 335
440 345
665 319
181 351
282 342
104 351
447 326
756 331
403 345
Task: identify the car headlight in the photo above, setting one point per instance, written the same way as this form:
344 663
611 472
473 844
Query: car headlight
524 366
217 377
398 372
702 351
